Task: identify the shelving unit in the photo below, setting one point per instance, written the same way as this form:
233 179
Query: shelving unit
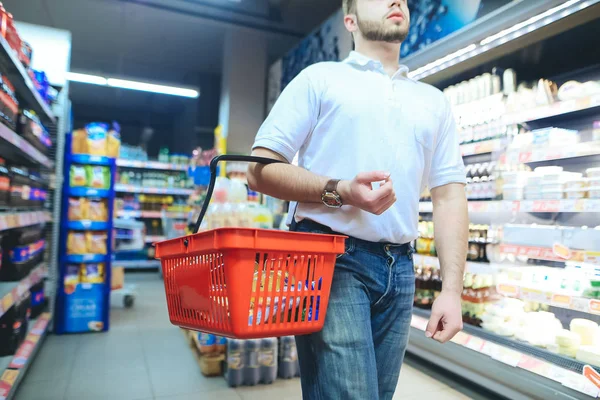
21 148
151 165
15 367
10 291
542 252
140 189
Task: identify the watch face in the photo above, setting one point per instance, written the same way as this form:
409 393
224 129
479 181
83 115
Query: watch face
332 200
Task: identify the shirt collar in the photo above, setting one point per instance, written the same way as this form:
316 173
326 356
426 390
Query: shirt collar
357 58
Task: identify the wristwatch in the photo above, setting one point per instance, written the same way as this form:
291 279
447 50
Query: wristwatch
330 197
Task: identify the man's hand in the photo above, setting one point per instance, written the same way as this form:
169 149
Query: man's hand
359 192
446 317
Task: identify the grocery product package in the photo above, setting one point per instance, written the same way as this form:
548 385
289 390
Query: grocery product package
96 138
72 274
78 209
78 175
96 242
79 143
92 273
97 210
113 141
31 128
98 177
76 243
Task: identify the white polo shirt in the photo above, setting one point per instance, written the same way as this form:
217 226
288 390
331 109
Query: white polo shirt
350 117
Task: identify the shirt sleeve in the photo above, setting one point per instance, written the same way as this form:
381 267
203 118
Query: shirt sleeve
447 164
292 118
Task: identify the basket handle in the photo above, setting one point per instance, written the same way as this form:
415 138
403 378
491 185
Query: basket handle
213 177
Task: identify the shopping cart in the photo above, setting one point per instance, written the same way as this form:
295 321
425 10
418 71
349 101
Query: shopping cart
248 283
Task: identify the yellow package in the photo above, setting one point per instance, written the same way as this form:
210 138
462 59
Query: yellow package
97 211
78 209
76 243
96 242
79 142
92 273
113 141
96 138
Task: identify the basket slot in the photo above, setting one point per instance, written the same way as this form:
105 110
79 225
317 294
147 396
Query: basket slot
220 297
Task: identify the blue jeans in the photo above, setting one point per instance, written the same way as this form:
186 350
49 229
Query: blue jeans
360 350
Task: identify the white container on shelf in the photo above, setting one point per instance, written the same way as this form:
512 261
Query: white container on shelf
554 186
535 179
533 196
552 194
594 192
593 172
512 192
519 178
548 170
577 183
576 193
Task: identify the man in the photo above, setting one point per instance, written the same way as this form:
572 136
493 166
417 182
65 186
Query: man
384 137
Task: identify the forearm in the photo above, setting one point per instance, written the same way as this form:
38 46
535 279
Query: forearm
451 222
285 181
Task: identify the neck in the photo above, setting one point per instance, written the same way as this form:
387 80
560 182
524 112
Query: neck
386 53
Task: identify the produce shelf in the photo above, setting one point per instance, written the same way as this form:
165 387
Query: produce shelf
549 253
10 291
563 376
11 220
22 82
141 189
151 165
15 367
21 147
533 206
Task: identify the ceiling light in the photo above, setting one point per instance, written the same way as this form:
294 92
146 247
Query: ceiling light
83 78
133 85
149 87
536 22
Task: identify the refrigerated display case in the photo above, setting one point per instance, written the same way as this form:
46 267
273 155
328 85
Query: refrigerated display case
527 117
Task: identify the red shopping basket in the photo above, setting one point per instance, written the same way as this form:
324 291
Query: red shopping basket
248 283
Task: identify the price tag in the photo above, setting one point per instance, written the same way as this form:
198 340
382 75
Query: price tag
581 384
7 302
594 306
561 251
507 356
95 159
86 224
592 205
561 300
591 374
475 344
508 289
461 338
525 157
92 192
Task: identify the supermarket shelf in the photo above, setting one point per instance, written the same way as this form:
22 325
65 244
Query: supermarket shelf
485 147
22 82
86 258
151 165
88 192
10 291
540 295
11 220
23 147
538 155
471 266
15 367
553 110
508 367
150 214
155 238
533 206
548 253
141 189
88 225
136 264
91 160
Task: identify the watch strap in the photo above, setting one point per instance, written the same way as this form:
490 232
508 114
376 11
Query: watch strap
332 185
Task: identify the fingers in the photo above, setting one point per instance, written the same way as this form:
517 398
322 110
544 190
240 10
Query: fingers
433 326
373 176
387 203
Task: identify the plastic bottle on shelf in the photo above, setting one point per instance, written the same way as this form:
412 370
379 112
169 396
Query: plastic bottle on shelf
234 374
262 217
251 364
215 216
267 359
238 213
288 358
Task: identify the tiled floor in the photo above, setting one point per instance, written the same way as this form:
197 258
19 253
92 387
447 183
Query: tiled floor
144 357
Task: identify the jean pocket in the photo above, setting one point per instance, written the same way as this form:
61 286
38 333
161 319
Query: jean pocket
349 247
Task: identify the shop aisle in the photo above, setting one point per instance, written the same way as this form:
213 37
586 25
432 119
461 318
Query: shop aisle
144 357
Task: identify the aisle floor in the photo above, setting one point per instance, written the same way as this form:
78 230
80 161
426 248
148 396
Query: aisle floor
144 357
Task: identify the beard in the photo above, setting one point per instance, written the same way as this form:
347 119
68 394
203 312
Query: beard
376 31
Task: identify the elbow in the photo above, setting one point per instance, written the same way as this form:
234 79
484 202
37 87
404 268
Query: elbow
253 181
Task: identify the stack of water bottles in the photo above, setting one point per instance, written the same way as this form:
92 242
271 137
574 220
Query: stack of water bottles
260 361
